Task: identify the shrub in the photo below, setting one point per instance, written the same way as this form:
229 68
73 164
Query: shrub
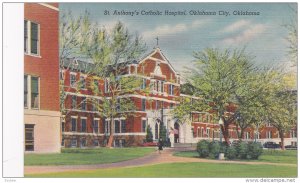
149 135
214 149
231 152
242 150
203 148
254 150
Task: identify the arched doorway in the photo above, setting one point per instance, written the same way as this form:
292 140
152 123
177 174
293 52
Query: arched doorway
176 132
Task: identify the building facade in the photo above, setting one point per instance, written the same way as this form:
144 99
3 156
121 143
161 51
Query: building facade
84 126
41 78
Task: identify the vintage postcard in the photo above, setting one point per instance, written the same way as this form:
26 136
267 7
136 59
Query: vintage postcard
163 90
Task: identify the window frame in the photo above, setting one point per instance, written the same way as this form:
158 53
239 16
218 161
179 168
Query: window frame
81 121
28 46
73 126
38 94
73 80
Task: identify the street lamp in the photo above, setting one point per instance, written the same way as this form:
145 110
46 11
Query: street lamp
221 122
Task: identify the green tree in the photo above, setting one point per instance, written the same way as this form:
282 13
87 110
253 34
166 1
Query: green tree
149 134
107 56
231 87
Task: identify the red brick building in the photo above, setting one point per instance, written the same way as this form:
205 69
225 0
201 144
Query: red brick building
83 126
41 82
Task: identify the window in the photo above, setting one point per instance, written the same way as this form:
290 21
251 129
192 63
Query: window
73 79
117 126
154 86
144 124
247 135
74 102
106 126
25 36
269 134
73 123
62 126
123 126
82 143
143 86
208 132
74 143
158 86
122 142
29 137
82 82
171 89
202 132
25 91
117 143
198 132
257 135
143 104
34 38
96 126
83 103
293 134
95 142
31 37
83 125
34 92
162 87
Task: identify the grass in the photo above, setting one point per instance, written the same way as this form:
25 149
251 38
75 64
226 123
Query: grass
201 170
86 156
273 156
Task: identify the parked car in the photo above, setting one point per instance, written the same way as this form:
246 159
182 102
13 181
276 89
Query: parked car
272 145
290 147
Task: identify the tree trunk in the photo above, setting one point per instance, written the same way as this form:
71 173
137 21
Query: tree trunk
111 135
281 135
224 129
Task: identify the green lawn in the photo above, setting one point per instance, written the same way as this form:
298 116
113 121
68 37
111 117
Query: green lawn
185 170
274 156
87 156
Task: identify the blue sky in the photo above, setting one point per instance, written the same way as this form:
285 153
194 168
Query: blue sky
263 36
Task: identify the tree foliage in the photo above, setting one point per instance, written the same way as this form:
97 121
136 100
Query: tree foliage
109 53
228 84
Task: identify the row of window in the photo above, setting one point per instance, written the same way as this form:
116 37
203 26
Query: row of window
95 143
31 92
157 86
120 125
158 105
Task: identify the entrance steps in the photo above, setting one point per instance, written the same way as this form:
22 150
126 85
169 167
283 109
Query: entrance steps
185 146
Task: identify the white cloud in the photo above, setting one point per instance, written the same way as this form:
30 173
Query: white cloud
164 29
168 29
236 26
245 36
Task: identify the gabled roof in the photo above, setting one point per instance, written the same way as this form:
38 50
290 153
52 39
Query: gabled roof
164 58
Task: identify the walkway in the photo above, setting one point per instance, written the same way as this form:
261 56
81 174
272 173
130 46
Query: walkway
151 159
